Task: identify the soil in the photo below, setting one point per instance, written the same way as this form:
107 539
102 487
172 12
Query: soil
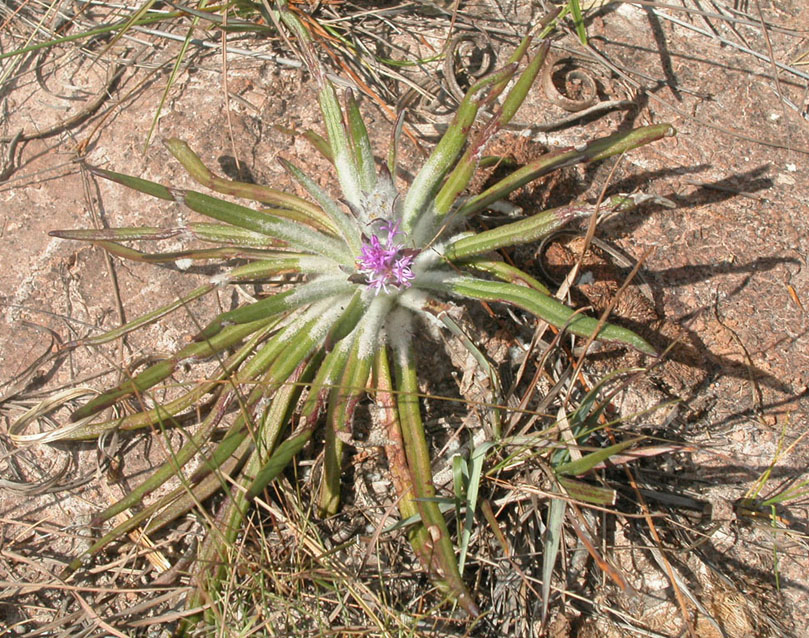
727 276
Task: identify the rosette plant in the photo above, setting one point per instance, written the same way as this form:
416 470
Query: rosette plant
373 266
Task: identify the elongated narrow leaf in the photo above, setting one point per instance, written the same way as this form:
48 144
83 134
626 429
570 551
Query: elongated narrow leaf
295 235
269 266
269 223
348 171
320 144
445 566
506 272
194 495
281 302
542 306
516 96
229 336
418 535
550 548
172 466
589 461
166 411
459 178
228 235
149 18
523 231
303 333
280 379
584 420
149 317
586 493
360 145
393 151
596 150
180 257
119 530
329 372
578 20
476 460
136 183
345 225
118 234
267 428
296 207
204 231
343 398
165 472
447 150
326 377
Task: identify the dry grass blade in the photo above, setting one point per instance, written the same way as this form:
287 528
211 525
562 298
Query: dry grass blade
53 402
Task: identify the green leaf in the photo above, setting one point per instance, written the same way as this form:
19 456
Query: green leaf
595 150
147 19
475 465
584 419
302 295
393 150
589 461
459 178
516 96
586 493
262 222
360 144
542 306
342 400
149 317
551 543
212 233
344 397
346 226
516 233
505 272
345 162
192 496
447 150
199 254
262 269
117 234
399 470
230 235
445 566
154 374
287 205
136 183
578 20
327 374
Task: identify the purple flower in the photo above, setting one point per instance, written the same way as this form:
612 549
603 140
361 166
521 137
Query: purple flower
385 262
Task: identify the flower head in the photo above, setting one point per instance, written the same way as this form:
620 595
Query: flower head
385 261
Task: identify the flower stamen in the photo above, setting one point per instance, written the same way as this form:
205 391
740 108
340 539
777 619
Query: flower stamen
385 262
